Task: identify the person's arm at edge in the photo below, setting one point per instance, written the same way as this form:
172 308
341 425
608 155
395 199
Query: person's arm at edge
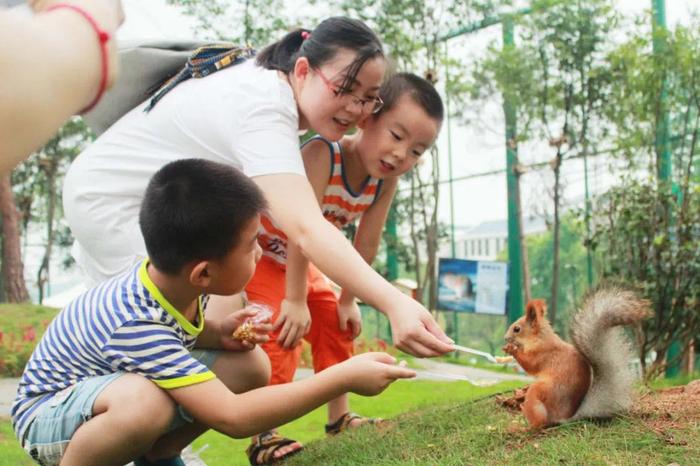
63 45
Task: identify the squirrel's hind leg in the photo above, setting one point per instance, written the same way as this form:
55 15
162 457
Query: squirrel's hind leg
534 409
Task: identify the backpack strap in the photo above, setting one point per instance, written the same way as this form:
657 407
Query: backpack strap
204 61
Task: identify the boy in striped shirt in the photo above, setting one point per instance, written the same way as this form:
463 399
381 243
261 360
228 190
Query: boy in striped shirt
114 379
355 177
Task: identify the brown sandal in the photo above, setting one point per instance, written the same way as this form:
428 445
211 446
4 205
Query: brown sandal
344 421
268 443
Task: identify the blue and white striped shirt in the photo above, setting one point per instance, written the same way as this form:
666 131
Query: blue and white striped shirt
122 325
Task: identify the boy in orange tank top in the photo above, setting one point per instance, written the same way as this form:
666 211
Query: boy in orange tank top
355 177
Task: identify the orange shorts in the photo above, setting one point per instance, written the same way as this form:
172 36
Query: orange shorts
329 345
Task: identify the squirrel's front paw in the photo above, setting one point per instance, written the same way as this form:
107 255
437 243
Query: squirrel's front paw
510 348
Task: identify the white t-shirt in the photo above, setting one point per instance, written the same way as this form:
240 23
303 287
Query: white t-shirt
245 116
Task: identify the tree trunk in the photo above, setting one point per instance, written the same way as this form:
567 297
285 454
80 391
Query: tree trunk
689 358
433 233
50 166
12 268
555 243
523 243
414 238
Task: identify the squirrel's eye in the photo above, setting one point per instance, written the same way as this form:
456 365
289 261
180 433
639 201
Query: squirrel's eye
516 329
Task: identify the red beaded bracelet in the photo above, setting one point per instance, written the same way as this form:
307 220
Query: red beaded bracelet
103 36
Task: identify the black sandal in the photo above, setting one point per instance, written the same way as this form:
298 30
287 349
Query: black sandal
343 423
268 443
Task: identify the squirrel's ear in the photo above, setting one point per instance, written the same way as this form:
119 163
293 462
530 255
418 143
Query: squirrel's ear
530 312
536 309
541 308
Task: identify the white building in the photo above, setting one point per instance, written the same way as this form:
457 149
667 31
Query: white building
488 239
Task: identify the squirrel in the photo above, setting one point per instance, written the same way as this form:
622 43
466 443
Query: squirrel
587 379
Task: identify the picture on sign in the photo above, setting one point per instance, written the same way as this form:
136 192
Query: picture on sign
472 286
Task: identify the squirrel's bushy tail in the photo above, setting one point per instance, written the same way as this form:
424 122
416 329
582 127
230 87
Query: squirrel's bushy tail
595 332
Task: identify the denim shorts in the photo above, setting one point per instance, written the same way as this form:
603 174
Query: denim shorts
48 434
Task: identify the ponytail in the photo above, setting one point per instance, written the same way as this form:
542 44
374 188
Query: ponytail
282 54
321 45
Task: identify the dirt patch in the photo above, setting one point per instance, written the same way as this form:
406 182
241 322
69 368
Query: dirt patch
675 408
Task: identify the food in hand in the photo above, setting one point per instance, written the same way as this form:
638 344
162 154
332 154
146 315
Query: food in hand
504 359
246 331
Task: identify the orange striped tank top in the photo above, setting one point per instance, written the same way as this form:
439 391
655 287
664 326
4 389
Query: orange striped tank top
340 205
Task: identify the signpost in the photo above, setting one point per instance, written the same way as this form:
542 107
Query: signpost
473 286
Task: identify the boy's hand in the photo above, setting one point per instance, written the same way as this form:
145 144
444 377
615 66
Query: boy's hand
369 374
415 331
235 320
295 320
349 316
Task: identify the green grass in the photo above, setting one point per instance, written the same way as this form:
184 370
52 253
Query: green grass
10 451
483 433
401 397
14 318
673 381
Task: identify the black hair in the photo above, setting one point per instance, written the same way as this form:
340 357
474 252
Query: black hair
321 45
420 90
195 209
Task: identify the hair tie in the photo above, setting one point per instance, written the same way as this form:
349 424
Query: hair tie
305 34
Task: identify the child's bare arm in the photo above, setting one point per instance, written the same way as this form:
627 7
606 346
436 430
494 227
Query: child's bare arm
239 416
367 241
295 317
369 231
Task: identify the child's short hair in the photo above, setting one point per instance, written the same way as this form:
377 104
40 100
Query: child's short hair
195 209
421 91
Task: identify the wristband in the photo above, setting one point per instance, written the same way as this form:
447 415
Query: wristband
103 37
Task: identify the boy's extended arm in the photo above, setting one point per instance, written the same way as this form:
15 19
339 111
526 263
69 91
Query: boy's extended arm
295 209
250 413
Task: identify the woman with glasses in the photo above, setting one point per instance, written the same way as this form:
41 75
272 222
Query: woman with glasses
250 116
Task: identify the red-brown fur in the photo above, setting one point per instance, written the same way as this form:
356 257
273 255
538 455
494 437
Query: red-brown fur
563 373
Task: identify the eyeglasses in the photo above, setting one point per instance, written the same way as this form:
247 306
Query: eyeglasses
371 105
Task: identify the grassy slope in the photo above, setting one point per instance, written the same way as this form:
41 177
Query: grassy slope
482 433
401 397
